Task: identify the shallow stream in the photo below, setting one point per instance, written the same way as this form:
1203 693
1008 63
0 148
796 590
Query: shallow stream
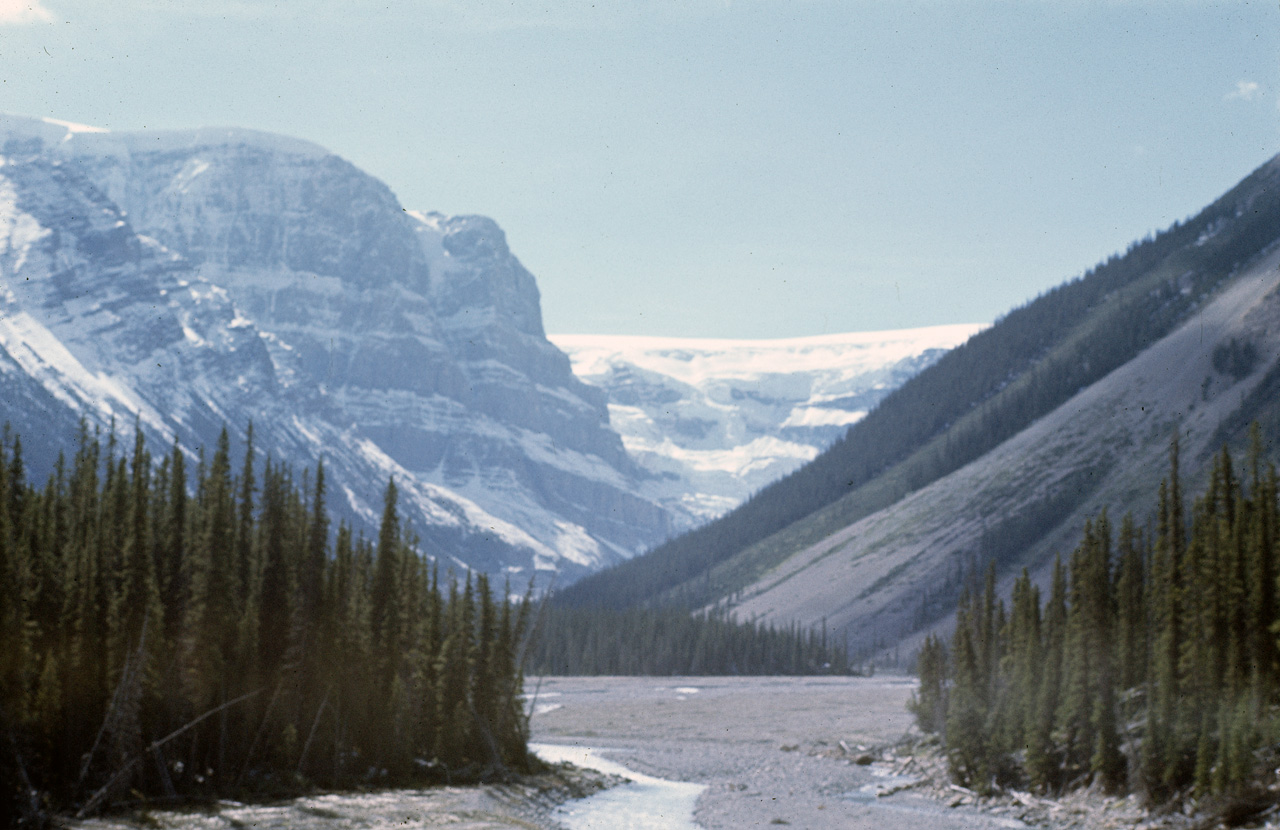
644 803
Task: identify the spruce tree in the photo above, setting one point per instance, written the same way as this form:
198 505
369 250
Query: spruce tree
968 740
1131 608
385 592
1164 750
1260 564
1044 765
929 702
1023 663
453 670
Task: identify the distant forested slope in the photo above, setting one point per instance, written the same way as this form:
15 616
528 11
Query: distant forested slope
667 641
975 397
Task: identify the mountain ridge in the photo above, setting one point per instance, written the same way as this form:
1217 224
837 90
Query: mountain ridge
1108 444
194 279
979 396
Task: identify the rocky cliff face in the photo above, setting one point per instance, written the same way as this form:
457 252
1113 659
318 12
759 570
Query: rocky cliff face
193 279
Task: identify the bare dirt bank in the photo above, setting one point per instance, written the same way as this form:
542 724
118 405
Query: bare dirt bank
1084 809
528 803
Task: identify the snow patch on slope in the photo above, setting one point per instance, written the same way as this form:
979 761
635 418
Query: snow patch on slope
72 127
42 356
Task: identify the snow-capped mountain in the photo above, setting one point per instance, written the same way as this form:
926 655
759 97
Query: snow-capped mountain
188 280
716 420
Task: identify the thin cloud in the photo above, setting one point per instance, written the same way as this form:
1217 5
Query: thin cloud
1244 91
19 12
473 15
568 14
222 9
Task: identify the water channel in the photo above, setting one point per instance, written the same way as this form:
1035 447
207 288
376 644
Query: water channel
644 803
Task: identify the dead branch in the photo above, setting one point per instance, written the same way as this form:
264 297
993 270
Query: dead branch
131 664
257 736
302 759
96 799
522 652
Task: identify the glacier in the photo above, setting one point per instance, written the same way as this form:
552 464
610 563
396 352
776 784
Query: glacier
715 420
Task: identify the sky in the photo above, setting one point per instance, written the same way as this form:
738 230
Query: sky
717 168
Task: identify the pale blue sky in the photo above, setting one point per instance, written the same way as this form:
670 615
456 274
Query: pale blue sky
731 169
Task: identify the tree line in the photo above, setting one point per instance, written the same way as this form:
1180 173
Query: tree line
1153 665
165 636
672 641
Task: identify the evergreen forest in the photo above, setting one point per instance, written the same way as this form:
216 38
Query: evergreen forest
672 641
168 636
1152 667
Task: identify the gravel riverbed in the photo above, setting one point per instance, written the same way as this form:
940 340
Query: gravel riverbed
770 751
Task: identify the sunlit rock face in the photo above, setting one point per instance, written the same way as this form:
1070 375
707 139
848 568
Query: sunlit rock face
194 279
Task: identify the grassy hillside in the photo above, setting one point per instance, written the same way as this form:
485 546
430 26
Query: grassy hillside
968 403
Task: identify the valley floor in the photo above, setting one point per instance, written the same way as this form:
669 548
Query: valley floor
815 752
767 750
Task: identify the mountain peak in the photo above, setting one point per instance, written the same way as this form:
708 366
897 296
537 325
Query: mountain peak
217 277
